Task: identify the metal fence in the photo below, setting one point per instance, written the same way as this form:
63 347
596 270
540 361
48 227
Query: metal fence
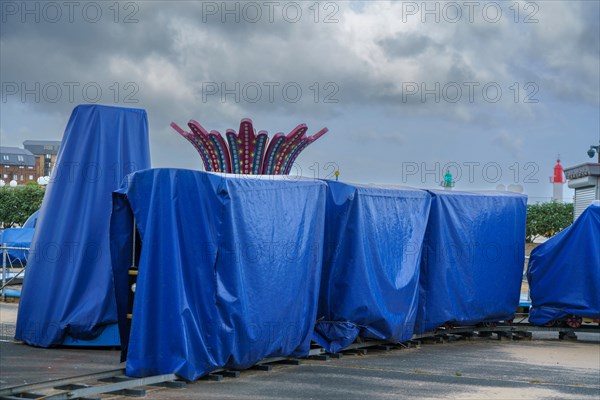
13 267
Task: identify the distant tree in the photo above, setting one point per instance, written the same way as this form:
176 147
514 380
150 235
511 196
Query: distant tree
17 204
547 219
7 206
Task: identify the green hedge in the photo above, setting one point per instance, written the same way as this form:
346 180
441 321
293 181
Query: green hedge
547 219
17 204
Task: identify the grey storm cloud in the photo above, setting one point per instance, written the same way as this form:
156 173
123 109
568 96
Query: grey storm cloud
366 58
360 66
408 45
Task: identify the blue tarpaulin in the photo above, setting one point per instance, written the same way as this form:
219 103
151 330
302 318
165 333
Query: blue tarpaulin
228 269
32 220
16 237
564 272
68 287
473 259
369 285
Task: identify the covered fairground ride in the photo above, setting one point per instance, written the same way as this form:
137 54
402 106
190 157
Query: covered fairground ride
247 151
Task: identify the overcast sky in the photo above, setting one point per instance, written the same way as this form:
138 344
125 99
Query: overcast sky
492 90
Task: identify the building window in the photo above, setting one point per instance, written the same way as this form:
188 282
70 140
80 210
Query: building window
5 176
7 166
20 158
5 157
21 167
14 177
21 178
30 167
48 156
30 177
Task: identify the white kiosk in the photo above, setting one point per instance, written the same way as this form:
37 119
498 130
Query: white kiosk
585 179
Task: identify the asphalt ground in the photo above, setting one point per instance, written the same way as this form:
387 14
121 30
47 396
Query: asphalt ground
477 368
480 368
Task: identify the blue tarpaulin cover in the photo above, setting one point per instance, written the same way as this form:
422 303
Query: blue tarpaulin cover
32 220
16 237
68 287
369 284
229 269
564 272
473 260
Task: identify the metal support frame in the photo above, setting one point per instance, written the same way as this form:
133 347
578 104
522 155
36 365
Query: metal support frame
4 254
5 261
74 388
132 273
112 387
30 387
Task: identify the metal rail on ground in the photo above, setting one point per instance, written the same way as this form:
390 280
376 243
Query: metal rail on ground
80 386
77 387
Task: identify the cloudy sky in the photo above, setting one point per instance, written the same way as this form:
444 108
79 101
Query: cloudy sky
491 90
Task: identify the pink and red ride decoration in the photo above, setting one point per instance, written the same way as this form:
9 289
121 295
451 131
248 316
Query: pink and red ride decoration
246 152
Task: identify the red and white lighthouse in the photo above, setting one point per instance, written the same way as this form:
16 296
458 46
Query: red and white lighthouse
557 181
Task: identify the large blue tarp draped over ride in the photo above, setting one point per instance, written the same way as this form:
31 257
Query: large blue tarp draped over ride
68 287
564 272
472 264
16 237
228 270
369 284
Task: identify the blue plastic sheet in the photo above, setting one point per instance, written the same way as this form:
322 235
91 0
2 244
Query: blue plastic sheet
16 237
32 220
68 287
473 259
229 269
370 278
564 272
